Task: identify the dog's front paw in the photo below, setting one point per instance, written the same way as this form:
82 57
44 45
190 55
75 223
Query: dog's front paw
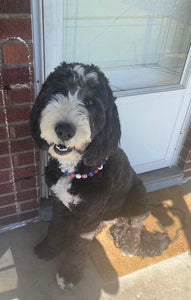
44 251
63 284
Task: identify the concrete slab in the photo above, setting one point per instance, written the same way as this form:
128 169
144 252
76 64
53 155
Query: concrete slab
24 277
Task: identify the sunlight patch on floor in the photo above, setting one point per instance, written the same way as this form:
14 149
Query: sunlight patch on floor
8 270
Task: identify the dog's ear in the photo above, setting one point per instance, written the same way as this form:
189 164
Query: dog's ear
35 122
106 142
57 82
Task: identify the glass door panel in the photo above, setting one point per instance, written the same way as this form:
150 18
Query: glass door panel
138 44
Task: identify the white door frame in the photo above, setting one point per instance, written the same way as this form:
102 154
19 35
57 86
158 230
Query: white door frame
39 67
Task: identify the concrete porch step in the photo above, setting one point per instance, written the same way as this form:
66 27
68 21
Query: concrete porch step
162 178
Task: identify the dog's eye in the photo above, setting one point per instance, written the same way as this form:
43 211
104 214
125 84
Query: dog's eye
89 103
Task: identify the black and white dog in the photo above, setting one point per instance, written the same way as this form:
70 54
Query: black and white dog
75 119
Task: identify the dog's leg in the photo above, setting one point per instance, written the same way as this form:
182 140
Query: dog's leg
133 239
126 234
58 229
53 243
129 233
74 259
127 230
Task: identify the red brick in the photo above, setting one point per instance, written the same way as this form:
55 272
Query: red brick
4 148
3 133
29 205
20 96
28 183
30 215
5 176
185 154
19 131
4 221
15 76
15 28
187 144
5 163
24 159
17 54
7 210
17 114
15 6
189 156
25 172
2 116
37 156
6 188
21 145
26 195
8 199
187 166
3 97
187 174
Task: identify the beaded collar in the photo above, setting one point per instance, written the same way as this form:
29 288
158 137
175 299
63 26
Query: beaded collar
84 175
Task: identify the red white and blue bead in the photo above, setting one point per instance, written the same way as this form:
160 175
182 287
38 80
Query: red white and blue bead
84 175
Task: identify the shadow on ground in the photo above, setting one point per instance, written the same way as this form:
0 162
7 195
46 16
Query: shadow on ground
25 277
172 208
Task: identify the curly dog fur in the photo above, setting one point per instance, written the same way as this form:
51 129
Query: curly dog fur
75 119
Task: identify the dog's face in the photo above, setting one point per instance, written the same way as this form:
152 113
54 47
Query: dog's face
75 115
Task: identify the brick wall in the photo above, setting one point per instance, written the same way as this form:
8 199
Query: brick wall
19 172
185 157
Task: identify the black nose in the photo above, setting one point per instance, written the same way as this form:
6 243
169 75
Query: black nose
65 131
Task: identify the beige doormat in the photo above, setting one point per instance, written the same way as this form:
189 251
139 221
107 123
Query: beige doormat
170 211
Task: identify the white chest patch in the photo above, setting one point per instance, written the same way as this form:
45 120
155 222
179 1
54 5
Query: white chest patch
60 189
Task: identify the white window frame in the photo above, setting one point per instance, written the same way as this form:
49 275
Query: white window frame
54 56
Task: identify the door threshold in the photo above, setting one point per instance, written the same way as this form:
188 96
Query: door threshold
161 178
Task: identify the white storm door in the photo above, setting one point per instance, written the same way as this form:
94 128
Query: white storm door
143 48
